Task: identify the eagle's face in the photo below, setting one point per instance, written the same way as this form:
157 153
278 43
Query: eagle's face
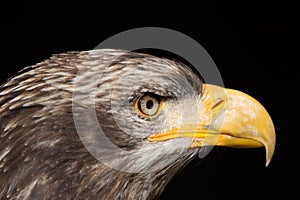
157 112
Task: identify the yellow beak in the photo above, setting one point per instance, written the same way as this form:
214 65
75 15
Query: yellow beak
237 120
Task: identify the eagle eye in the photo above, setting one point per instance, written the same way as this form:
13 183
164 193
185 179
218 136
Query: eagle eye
148 105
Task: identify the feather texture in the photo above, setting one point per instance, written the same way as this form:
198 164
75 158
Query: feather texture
41 154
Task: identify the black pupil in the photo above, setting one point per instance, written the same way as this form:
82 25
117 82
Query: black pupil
149 104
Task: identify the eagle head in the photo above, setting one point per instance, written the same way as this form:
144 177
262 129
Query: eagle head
113 124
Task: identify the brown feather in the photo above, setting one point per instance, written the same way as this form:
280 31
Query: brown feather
41 154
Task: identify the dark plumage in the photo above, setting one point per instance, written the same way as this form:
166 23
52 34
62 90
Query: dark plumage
41 155
154 111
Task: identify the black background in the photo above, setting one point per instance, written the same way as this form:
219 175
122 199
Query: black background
253 44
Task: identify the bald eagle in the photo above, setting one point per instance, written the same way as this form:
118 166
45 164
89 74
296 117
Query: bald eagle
154 114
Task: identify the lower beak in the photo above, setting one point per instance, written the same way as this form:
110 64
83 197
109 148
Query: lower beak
237 120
